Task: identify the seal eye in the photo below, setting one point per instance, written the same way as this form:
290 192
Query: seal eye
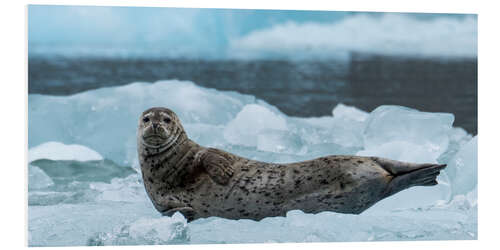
167 120
145 119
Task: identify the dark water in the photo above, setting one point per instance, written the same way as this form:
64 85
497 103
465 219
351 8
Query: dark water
298 88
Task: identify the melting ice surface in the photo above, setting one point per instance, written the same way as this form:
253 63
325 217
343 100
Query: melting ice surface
85 186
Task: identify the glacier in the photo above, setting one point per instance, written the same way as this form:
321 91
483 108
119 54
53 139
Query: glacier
394 34
85 185
245 34
59 151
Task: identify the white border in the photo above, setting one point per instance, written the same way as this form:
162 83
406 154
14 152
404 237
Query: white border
430 6
14 112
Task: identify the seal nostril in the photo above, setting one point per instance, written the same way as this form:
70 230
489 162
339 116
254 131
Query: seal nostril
155 125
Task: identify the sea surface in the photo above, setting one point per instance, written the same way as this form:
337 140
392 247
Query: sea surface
303 88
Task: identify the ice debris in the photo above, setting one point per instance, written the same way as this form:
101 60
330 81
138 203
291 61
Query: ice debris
249 122
405 134
85 191
462 168
37 178
146 231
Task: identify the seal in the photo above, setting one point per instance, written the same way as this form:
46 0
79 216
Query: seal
181 176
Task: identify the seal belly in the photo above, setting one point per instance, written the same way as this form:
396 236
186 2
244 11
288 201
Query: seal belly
339 184
331 183
346 193
257 191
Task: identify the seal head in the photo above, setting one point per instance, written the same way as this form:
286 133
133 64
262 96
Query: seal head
159 129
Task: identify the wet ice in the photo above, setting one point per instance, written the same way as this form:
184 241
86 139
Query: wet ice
85 187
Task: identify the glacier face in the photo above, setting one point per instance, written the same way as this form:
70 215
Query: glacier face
387 34
85 186
245 34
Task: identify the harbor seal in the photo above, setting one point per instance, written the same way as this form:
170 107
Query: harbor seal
180 175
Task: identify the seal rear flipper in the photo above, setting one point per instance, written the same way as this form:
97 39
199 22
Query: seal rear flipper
399 167
187 212
424 175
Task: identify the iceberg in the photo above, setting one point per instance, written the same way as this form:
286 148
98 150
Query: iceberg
59 151
249 122
462 168
406 134
346 112
83 168
146 231
280 141
128 189
37 179
64 172
70 182
458 138
105 119
75 224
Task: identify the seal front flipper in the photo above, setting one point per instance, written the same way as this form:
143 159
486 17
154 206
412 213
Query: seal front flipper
187 212
216 163
167 205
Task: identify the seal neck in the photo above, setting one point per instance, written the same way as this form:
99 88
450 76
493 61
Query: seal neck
180 139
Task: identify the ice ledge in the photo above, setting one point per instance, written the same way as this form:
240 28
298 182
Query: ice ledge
59 152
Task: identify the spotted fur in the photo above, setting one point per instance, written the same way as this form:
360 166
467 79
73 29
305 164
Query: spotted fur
180 175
